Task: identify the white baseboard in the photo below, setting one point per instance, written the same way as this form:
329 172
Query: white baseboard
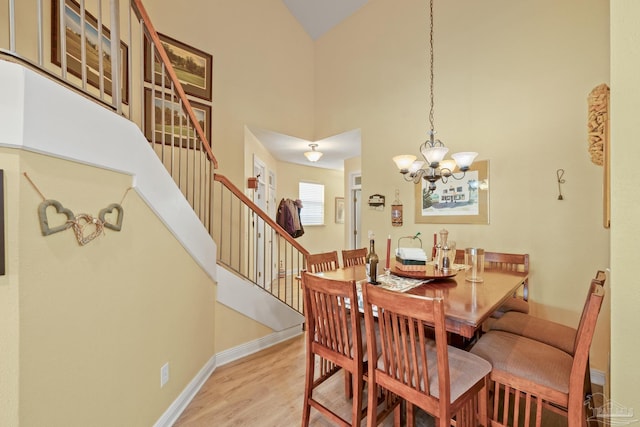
246 349
174 411
597 377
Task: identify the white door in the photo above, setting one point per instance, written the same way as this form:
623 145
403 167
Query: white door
356 205
260 199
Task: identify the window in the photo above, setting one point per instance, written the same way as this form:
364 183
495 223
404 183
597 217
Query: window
312 197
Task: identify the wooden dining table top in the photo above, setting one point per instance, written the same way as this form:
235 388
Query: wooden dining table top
467 304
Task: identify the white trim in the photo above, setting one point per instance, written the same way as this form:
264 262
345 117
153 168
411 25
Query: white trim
178 406
36 114
597 377
248 348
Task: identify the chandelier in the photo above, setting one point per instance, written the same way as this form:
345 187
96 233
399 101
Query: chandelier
313 155
434 168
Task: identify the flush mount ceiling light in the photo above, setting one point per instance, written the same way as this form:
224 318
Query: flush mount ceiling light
434 168
313 155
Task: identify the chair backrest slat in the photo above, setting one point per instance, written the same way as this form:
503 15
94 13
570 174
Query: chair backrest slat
352 257
326 261
403 321
328 316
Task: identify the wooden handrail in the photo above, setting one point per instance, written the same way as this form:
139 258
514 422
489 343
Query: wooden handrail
142 14
262 214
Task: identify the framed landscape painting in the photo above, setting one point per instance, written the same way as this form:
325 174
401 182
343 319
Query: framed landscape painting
165 121
458 201
97 43
193 67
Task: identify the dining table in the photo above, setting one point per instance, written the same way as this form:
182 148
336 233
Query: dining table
467 304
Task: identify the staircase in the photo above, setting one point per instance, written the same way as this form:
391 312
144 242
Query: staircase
251 246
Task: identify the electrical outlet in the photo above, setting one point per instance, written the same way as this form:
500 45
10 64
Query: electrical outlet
164 374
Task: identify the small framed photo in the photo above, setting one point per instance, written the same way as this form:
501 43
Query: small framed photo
193 67
339 210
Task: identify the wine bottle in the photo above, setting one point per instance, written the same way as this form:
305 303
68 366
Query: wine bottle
372 263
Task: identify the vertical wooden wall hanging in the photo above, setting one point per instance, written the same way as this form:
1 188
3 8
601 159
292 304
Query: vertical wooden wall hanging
598 131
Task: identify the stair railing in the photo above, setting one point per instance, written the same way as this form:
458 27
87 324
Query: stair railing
250 243
253 245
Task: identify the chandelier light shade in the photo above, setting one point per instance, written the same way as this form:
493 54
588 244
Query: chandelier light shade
313 155
434 167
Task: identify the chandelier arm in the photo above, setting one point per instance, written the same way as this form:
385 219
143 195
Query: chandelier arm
458 177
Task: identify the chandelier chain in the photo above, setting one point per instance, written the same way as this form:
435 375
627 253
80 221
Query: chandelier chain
431 64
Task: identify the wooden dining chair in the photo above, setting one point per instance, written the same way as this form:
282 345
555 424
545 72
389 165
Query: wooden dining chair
337 340
510 262
352 257
539 374
555 334
506 262
547 331
444 381
325 261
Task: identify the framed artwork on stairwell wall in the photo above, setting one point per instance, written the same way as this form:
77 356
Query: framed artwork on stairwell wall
193 67
92 47
165 120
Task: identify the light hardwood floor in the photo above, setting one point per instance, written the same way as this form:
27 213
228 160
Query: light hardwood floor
265 390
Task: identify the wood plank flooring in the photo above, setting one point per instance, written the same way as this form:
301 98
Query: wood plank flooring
265 390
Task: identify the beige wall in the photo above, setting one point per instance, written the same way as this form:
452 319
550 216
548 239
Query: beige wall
263 76
262 67
511 81
625 210
10 295
96 322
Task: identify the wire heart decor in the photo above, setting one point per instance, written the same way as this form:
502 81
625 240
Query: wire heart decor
85 227
81 223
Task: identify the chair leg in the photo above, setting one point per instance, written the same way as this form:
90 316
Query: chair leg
357 384
348 389
372 403
483 403
411 414
308 388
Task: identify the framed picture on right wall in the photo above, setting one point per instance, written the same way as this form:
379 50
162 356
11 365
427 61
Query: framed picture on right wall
461 200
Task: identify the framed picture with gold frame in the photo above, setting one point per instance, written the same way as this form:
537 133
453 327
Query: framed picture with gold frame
193 67
165 120
456 201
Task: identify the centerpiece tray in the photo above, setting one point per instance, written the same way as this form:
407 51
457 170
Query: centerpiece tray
428 273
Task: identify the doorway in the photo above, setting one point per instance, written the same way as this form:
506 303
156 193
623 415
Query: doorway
355 191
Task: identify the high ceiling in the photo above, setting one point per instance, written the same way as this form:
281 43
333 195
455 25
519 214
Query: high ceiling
319 16
316 17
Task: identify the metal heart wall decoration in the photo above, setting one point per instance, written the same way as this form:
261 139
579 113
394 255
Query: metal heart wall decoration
44 221
109 209
83 222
